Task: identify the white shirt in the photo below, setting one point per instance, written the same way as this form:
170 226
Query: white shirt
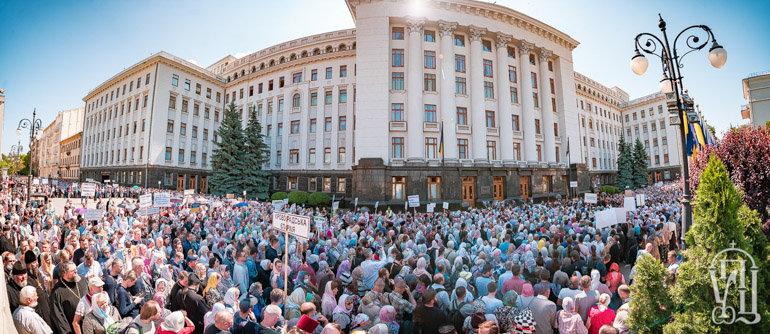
28 322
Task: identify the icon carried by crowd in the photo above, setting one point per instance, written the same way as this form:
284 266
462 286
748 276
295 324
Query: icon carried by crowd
221 267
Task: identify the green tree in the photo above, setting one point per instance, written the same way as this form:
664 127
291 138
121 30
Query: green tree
15 164
650 301
639 165
625 174
255 155
227 161
720 221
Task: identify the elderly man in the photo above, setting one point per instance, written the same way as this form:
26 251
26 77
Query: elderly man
223 321
24 317
65 297
17 282
44 305
95 286
270 318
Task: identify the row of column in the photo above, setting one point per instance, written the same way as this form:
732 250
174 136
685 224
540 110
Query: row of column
415 135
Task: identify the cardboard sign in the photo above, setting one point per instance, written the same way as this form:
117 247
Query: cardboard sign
189 191
195 207
229 196
278 204
640 199
629 193
93 214
145 201
88 190
446 205
298 226
149 211
285 201
319 222
620 215
606 218
591 198
414 201
629 203
45 180
376 205
573 184
162 200
335 205
55 182
431 207
356 203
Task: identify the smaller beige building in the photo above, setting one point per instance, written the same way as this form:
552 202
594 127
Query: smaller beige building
69 159
756 90
47 148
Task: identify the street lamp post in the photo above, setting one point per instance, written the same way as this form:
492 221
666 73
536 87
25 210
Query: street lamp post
33 125
672 83
16 154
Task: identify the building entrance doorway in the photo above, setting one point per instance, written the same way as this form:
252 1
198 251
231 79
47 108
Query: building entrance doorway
524 182
469 190
498 188
180 182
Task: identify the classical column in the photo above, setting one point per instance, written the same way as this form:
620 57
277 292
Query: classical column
415 146
274 136
478 122
549 141
303 125
527 104
448 105
504 99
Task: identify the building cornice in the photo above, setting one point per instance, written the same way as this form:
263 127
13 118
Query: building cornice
288 65
490 11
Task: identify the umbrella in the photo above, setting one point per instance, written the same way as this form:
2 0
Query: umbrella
123 205
136 187
241 204
176 199
80 210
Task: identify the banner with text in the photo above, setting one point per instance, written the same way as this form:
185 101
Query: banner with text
298 226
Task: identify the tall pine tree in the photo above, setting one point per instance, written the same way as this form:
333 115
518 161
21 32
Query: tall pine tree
625 175
227 161
639 166
254 179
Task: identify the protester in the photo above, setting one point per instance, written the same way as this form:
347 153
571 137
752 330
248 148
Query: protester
102 315
24 317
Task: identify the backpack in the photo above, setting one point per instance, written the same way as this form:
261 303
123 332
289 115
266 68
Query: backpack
524 321
456 318
122 326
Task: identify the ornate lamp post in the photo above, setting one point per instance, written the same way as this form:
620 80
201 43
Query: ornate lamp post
16 155
672 83
34 126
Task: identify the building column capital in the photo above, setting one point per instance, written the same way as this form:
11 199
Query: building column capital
503 39
544 54
525 48
476 33
447 28
415 24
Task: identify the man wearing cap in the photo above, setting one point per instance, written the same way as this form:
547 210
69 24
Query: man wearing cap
95 286
26 320
16 283
43 306
194 304
244 322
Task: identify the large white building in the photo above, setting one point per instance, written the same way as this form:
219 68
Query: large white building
756 91
47 144
363 112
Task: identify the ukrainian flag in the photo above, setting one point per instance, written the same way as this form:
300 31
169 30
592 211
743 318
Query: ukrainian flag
441 142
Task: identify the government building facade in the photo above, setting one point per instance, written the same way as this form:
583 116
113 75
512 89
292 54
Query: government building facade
458 101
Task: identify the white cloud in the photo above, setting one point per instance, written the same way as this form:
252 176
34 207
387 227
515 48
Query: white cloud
240 55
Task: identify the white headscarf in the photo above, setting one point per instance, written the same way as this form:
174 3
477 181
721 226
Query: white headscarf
208 319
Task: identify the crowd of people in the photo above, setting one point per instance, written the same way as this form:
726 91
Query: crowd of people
220 268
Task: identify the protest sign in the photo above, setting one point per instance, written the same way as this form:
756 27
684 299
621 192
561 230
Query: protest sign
640 199
319 222
162 200
573 184
446 205
93 214
88 190
629 203
298 226
145 201
620 215
189 191
195 207
591 198
149 211
277 204
431 207
606 218
335 205
376 204
414 201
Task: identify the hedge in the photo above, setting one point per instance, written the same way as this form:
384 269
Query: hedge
279 196
319 199
298 197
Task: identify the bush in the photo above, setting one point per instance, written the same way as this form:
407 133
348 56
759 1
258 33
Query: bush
319 199
298 197
609 189
279 196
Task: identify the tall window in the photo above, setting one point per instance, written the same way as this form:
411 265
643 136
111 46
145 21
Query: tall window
487 68
314 98
516 151
327 155
489 90
195 131
280 129
514 95
311 157
328 97
397 33
181 155
430 60
174 80
341 155
313 124
343 71
327 184
533 77
540 153
341 184
491 150
397 57
295 101
434 188
184 105
515 121
294 156
460 63
556 129
553 86
512 74
398 191
294 127
460 87
535 100
430 82
328 73
397 112
314 74
462 116
343 96
168 153
537 126
328 124
296 77
462 148
490 115
170 126
460 40
342 124
431 147
397 81
430 113
186 85
172 102
397 147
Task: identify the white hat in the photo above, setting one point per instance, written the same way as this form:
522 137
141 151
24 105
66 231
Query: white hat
173 322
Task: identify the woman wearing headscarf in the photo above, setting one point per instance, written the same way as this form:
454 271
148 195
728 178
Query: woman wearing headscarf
102 315
263 272
614 278
210 292
329 302
388 317
208 318
293 304
342 314
361 322
176 323
596 283
527 294
420 270
161 292
506 313
231 299
600 315
568 320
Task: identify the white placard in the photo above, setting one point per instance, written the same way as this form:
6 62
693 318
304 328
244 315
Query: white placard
93 214
89 180
55 182
149 211
285 201
88 190
319 222
376 205
278 204
356 203
406 205
620 215
591 198
145 201
431 207
414 201
45 180
573 184
629 203
606 218
35 181
189 191
640 199
445 206
162 200
299 226
335 205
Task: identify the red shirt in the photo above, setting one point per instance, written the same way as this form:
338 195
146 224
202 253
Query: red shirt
599 318
514 283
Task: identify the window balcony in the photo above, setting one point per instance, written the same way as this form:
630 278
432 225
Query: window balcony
430 126
398 126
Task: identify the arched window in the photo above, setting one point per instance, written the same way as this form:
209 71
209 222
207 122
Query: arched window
303 54
354 46
532 59
243 72
293 57
272 62
282 60
316 51
295 101
253 69
329 49
228 78
342 47
235 76
262 66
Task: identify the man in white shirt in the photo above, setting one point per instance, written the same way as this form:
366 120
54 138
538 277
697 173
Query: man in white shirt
89 267
371 267
24 317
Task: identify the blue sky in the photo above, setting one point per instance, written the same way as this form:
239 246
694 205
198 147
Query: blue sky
52 53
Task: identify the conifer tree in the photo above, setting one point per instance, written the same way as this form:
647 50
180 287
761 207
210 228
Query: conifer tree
254 179
625 176
227 160
650 302
639 165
